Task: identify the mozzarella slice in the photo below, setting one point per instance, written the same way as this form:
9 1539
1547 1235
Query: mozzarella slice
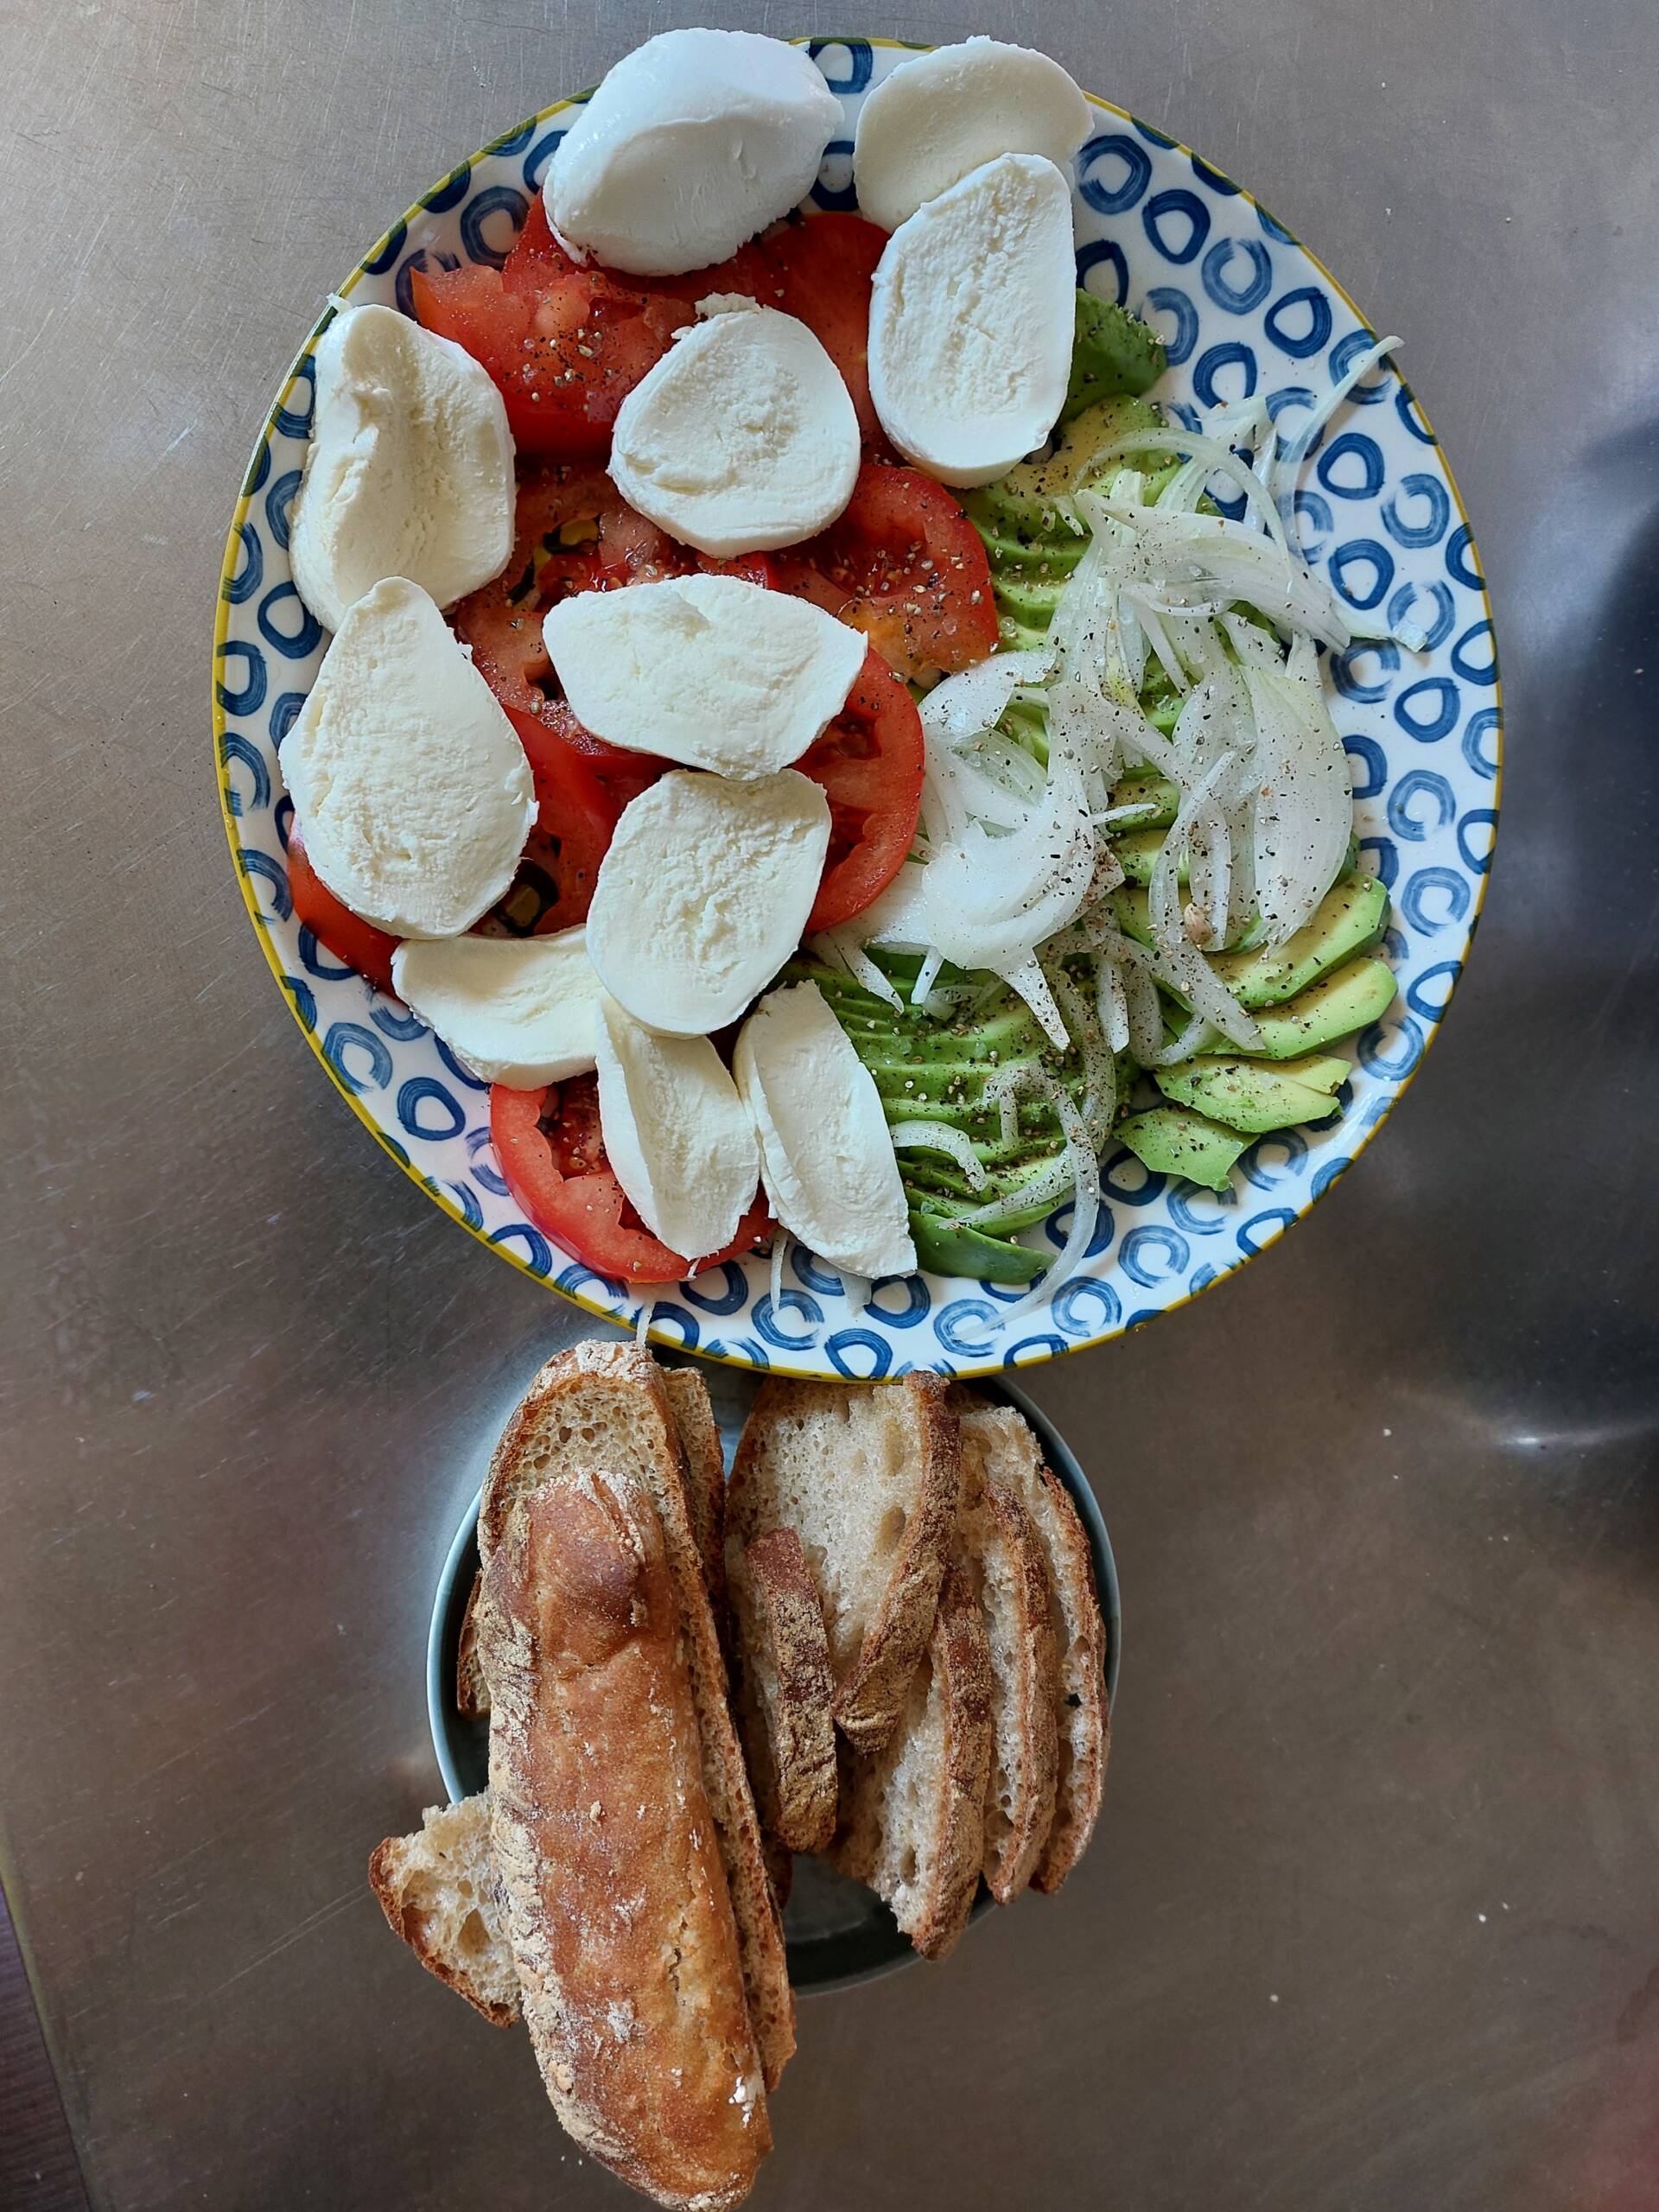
826 1152
971 321
695 141
514 1010
409 468
677 1134
709 670
924 127
410 787
743 436
703 894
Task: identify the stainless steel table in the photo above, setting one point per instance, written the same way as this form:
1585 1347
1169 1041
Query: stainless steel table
1374 1918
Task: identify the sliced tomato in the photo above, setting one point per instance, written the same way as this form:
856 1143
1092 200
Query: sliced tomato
576 814
502 622
334 925
870 762
823 266
748 271
905 566
552 1152
564 345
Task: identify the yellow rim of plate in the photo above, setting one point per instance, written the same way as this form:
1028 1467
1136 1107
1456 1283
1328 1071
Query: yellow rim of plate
425 1183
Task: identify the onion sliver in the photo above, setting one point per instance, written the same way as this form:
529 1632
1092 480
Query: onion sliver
1305 804
942 1136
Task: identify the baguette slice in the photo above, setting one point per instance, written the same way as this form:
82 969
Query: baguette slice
784 1694
617 1911
869 1480
439 1893
913 1821
1010 1580
705 1502
1011 1457
605 1404
705 1475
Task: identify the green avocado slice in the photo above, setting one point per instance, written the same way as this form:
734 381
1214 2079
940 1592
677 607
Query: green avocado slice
1250 1094
1350 918
1112 352
949 1249
1358 993
1022 503
1174 1140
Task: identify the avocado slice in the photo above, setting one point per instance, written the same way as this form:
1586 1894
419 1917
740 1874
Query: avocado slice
1174 1140
1143 788
949 1249
1028 600
1022 503
1137 852
1358 993
1112 352
1040 558
1251 1095
1350 918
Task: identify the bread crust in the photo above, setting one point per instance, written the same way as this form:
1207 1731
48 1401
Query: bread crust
705 1477
617 1910
961 1652
1010 1447
1025 1702
698 1436
786 1694
933 1900
614 1393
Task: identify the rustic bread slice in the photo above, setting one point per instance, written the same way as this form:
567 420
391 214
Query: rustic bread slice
705 1475
605 1404
1012 1457
705 1502
1010 1580
439 1893
869 1480
913 1821
617 1906
785 1692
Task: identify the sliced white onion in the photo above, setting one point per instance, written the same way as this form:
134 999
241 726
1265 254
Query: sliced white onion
1182 1047
1184 965
1303 808
1296 449
1027 978
926 975
841 950
977 697
1210 455
944 1136
781 1243
1083 1169
1205 562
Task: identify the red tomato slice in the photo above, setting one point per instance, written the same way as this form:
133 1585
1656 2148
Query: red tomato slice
502 622
552 1154
905 566
870 762
822 266
564 345
576 812
334 925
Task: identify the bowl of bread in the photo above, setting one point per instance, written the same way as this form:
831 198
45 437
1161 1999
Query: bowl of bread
741 1689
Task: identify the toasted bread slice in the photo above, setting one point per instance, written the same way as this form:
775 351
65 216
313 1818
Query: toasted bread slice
705 1475
1011 1457
605 1405
869 1480
705 1504
440 1891
784 1692
1010 1580
617 1906
912 1817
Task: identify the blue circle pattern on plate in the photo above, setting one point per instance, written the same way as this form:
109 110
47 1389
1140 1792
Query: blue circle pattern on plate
1243 309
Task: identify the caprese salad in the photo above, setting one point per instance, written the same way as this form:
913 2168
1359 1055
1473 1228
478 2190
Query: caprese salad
797 720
